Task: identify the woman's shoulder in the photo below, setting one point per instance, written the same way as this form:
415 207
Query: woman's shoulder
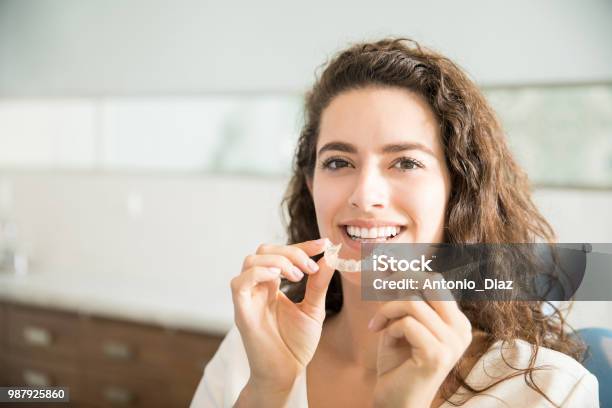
519 353
563 379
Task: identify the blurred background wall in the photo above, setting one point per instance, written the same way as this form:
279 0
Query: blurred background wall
59 48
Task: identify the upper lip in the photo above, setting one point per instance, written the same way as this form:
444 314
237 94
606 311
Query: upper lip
363 223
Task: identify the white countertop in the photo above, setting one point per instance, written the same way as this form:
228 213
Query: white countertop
175 303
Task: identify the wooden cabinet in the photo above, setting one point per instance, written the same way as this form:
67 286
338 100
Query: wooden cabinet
3 369
41 349
105 362
2 324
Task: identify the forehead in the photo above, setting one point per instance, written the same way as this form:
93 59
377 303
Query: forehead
375 116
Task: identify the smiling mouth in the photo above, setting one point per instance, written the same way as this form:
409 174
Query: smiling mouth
380 234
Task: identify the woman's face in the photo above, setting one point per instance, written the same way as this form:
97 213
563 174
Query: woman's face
380 170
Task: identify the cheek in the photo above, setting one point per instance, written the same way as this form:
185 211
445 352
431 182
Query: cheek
330 196
425 200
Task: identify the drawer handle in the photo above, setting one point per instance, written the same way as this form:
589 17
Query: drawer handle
118 395
37 336
35 378
117 350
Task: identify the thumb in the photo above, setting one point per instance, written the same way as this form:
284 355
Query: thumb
316 289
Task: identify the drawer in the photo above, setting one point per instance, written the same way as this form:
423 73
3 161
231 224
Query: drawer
42 333
23 371
130 346
115 390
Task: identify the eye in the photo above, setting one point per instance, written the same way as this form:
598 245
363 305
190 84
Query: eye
335 163
406 163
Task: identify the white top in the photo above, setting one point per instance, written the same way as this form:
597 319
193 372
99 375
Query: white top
566 382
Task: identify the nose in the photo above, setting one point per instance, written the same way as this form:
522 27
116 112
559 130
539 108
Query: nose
371 190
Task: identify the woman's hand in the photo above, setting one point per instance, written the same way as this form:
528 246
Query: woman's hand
280 337
419 345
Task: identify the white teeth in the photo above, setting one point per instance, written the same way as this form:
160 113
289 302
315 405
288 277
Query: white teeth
372 233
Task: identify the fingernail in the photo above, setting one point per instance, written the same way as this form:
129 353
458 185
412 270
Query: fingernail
312 265
322 241
371 324
296 272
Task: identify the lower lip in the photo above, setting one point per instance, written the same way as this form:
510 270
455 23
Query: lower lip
356 244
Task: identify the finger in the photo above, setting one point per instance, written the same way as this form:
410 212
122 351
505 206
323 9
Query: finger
242 285
313 247
441 300
295 254
413 332
448 309
288 269
316 287
408 293
418 309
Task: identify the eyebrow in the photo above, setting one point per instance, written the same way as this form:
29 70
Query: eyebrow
389 148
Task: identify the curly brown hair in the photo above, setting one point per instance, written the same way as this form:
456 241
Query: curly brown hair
490 199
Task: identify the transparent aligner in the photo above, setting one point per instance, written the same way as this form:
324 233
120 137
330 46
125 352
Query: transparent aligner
344 265
331 255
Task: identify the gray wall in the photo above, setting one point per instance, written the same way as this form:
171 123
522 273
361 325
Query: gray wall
78 47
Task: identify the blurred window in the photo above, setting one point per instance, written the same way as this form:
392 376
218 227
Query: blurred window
562 135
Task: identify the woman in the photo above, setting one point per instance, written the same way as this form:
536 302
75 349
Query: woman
398 146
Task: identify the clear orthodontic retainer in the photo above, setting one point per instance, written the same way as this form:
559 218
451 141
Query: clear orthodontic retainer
334 261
